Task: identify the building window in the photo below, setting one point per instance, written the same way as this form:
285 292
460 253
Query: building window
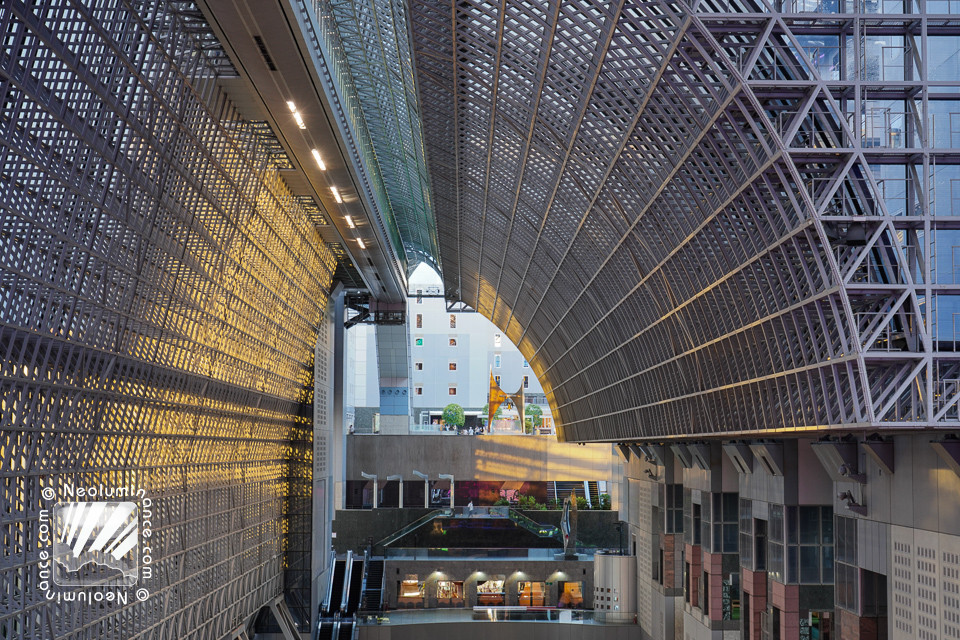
809 545
451 391
847 575
696 530
453 342
497 340
526 365
497 360
418 391
497 378
418 341
419 321
419 296
418 366
775 543
453 321
526 382
721 524
672 497
452 366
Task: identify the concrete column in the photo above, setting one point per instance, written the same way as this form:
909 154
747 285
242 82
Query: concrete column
692 554
393 364
755 590
786 598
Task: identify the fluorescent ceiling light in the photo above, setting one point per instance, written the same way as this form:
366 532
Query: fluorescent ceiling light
360 242
296 114
350 222
336 196
316 156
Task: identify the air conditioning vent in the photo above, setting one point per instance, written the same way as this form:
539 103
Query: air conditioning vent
265 53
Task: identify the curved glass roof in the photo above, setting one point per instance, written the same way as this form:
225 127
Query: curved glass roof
374 38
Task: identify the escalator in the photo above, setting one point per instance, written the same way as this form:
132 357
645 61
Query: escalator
326 630
346 626
336 588
373 589
589 489
355 587
416 524
593 493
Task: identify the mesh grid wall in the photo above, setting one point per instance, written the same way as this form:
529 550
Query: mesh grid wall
707 217
160 292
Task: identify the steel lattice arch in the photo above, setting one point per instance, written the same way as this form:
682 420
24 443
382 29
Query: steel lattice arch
722 217
160 294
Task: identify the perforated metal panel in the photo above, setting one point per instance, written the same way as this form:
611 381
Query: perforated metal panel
160 292
714 217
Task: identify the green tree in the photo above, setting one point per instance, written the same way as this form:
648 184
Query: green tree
496 414
535 413
453 415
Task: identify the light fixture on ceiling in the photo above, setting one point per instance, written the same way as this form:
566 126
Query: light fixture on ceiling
296 114
316 156
360 242
336 196
350 223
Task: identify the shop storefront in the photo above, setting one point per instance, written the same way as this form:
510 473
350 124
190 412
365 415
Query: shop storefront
511 582
490 592
532 594
410 592
449 593
571 595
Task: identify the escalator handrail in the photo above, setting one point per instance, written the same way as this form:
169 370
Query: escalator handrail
347 575
534 527
366 575
355 594
325 605
419 522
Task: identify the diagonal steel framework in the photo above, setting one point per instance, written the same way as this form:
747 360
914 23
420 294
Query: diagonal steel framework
717 217
160 294
376 45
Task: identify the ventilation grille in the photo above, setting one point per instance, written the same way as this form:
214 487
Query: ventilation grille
265 53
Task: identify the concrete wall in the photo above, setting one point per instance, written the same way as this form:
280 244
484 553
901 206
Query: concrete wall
327 447
615 586
524 458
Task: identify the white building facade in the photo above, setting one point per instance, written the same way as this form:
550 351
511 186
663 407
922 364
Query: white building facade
452 355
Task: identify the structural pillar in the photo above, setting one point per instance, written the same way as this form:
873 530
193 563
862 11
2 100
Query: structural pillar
393 363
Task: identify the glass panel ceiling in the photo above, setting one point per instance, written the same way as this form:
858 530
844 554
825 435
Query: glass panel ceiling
373 38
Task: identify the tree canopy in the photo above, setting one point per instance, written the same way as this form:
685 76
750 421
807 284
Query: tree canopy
535 413
453 415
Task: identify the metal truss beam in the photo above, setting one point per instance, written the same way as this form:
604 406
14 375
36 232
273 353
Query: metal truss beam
699 218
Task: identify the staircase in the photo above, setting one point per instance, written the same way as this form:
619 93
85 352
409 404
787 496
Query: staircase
373 593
